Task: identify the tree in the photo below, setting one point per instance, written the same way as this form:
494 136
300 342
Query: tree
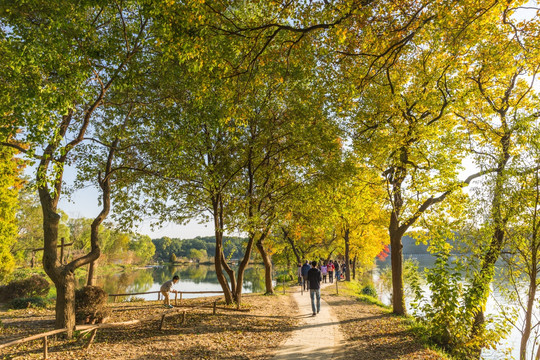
117 243
522 258
162 246
407 113
307 228
143 247
502 95
65 58
29 220
359 213
10 184
288 136
198 255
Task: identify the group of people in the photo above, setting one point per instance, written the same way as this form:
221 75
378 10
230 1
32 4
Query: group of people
327 269
311 275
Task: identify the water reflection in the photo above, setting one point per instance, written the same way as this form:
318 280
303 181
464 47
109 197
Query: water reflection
192 278
382 278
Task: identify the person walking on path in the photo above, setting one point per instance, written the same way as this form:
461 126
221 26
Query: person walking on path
336 269
166 287
299 274
330 267
305 269
316 337
324 272
314 279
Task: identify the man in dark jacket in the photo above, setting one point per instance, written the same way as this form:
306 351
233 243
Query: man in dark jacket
305 269
314 280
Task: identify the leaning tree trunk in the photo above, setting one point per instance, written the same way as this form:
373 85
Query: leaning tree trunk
105 185
267 267
529 313
532 273
293 246
218 259
229 271
219 272
237 296
479 292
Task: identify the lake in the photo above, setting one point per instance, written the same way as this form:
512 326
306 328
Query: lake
380 277
192 278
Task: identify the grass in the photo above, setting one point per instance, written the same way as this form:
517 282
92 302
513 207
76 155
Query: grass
354 288
422 334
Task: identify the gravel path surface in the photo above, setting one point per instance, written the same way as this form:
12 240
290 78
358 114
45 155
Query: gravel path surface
317 337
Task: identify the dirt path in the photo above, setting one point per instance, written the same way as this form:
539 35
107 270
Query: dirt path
317 337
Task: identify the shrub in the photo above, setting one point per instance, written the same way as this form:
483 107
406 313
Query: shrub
444 314
90 304
34 286
369 290
24 303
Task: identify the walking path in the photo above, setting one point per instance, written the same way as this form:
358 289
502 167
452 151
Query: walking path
317 337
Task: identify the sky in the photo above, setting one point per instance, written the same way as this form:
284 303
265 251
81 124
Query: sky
84 203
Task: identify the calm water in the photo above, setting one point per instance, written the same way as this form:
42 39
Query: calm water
510 345
192 278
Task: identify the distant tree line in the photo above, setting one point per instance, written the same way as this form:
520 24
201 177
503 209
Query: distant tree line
199 248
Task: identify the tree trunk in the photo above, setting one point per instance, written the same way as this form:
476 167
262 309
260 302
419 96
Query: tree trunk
219 271
267 267
347 262
237 296
396 256
532 274
90 278
229 271
480 288
354 268
330 255
218 230
105 185
528 314
63 281
65 302
293 246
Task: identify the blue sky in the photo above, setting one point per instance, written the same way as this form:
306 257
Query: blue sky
84 203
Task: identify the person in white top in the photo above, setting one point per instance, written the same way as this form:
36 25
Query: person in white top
166 288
